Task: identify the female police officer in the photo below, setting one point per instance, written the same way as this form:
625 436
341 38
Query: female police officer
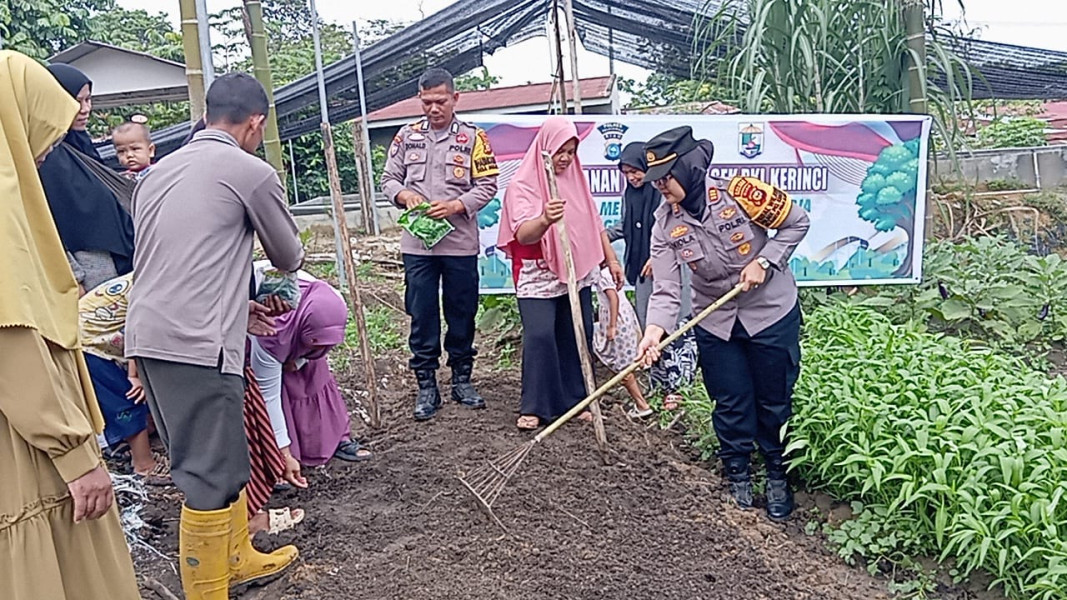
749 349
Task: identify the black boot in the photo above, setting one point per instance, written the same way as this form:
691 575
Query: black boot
462 389
779 492
740 480
429 398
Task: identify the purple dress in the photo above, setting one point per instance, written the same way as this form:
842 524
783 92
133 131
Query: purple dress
315 413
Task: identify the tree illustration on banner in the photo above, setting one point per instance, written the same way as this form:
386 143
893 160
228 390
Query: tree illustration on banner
889 191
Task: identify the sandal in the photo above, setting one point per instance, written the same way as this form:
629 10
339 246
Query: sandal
528 422
283 519
159 475
636 413
352 451
672 401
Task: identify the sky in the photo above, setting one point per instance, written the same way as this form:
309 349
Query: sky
1039 23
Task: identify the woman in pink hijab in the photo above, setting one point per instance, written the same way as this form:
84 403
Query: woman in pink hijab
529 233
309 415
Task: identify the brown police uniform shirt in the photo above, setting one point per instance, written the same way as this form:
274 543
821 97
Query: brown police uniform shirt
716 248
452 164
194 216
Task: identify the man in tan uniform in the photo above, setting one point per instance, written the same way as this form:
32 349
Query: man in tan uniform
60 537
195 215
449 164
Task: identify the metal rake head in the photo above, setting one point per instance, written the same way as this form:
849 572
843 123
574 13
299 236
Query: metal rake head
487 482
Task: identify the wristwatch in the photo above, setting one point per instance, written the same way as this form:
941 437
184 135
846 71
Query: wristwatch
763 262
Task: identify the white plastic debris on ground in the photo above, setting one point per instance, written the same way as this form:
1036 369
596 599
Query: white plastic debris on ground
131 496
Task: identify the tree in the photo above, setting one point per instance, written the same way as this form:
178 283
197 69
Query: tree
889 193
137 30
478 79
41 28
661 89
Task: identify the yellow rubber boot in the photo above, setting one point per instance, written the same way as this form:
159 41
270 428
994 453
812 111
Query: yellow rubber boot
203 552
248 566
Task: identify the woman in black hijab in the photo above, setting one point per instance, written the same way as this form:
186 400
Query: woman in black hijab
96 231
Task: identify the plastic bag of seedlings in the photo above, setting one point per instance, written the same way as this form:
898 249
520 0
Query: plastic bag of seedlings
426 229
277 283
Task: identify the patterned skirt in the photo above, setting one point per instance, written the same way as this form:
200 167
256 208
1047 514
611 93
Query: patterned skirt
266 460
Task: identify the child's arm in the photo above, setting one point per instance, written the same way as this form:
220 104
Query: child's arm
613 319
136 392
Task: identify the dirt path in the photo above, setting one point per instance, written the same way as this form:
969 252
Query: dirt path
651 525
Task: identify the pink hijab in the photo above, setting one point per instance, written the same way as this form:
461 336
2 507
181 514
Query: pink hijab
527 195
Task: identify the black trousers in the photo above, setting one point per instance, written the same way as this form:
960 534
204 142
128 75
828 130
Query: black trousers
551 367
429 281
199 414
751 378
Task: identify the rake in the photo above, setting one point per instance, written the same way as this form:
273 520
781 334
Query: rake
488 481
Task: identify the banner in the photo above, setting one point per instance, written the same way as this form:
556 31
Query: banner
862 179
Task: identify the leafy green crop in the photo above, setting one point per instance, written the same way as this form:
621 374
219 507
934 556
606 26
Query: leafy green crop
957 450
425 229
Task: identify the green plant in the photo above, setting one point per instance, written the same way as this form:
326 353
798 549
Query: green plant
958 450
383 330
988 289
829 56
1005 185
1012 132
499 314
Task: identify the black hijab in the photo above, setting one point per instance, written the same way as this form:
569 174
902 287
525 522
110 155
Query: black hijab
86 212
690 170
639 206
73 81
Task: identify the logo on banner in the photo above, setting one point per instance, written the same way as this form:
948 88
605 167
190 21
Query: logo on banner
612 133
750 140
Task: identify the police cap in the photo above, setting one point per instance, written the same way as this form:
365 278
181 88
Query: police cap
662 151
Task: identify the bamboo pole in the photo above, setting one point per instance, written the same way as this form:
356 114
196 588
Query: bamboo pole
370 216
354 299
576 316
572 41
203 30
342 238
366 188
560 75
915 29
272 142
194 72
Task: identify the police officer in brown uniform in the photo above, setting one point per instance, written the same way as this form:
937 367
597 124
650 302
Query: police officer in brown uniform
749 349
449 164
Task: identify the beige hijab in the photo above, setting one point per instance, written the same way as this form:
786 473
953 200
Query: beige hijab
37 288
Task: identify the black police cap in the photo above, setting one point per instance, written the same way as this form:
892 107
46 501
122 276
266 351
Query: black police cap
662 151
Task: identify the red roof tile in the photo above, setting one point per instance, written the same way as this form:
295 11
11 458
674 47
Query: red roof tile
595 88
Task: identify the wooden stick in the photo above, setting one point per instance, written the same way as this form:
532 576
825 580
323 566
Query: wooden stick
614 381
354 299
160 589
576 314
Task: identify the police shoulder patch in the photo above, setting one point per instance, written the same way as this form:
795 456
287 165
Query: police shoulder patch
483 161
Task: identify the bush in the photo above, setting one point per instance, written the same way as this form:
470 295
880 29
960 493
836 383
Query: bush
959 450
987 288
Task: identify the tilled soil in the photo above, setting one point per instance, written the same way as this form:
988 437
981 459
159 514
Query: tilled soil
651 524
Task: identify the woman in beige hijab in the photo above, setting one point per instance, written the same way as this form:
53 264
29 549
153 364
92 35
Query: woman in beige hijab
60 537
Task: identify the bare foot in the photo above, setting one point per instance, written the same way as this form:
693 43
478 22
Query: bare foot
528 422
586 416
259 522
